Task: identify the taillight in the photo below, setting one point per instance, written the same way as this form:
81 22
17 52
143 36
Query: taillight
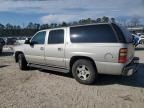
123 55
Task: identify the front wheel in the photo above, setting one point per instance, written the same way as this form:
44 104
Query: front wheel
84 71
22 62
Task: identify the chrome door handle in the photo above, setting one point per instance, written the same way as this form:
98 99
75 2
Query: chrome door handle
60 49
41 48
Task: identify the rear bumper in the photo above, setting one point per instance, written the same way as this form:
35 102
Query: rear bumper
131 68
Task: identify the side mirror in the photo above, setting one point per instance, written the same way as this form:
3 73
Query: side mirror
27 41
32 43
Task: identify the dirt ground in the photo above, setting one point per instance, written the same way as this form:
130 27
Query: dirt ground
46 89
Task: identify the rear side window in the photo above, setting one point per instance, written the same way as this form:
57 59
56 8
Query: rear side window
56 37
92 34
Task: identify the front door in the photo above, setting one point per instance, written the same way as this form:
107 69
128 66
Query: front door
35 53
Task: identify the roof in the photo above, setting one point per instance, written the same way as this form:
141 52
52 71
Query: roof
75 26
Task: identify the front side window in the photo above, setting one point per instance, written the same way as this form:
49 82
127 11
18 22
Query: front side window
56 37
92 34
39 38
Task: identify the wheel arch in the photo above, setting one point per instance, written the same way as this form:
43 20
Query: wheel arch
16 55
75 58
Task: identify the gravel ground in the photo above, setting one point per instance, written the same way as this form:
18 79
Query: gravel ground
47 89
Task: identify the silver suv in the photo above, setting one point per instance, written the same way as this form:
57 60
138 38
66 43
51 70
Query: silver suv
84 50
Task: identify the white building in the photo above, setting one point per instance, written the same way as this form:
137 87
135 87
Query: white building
136 29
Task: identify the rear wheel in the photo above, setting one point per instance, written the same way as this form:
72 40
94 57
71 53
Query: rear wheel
84 71
0 50
22 62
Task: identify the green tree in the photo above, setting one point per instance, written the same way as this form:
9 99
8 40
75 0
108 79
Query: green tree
105 19
64 24
98 20
113 20
44 26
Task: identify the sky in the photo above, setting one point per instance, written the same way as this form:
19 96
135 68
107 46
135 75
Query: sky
21 12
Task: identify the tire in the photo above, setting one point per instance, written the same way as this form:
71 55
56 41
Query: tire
84 71
1 50
22 62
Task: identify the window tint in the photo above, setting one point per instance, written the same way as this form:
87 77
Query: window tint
56 37
119 33
92 33
127 35
39 38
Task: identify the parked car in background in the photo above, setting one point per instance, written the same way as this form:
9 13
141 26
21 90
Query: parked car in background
2 43
11 41
22 40
84 50
136 40
142 37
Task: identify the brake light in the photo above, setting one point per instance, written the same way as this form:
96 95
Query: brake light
123 55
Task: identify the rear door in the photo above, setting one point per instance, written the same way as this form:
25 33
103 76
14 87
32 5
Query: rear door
55 48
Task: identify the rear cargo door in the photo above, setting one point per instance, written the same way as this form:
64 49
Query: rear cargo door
129 43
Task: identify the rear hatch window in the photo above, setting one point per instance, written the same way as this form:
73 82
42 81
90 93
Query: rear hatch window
123 34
